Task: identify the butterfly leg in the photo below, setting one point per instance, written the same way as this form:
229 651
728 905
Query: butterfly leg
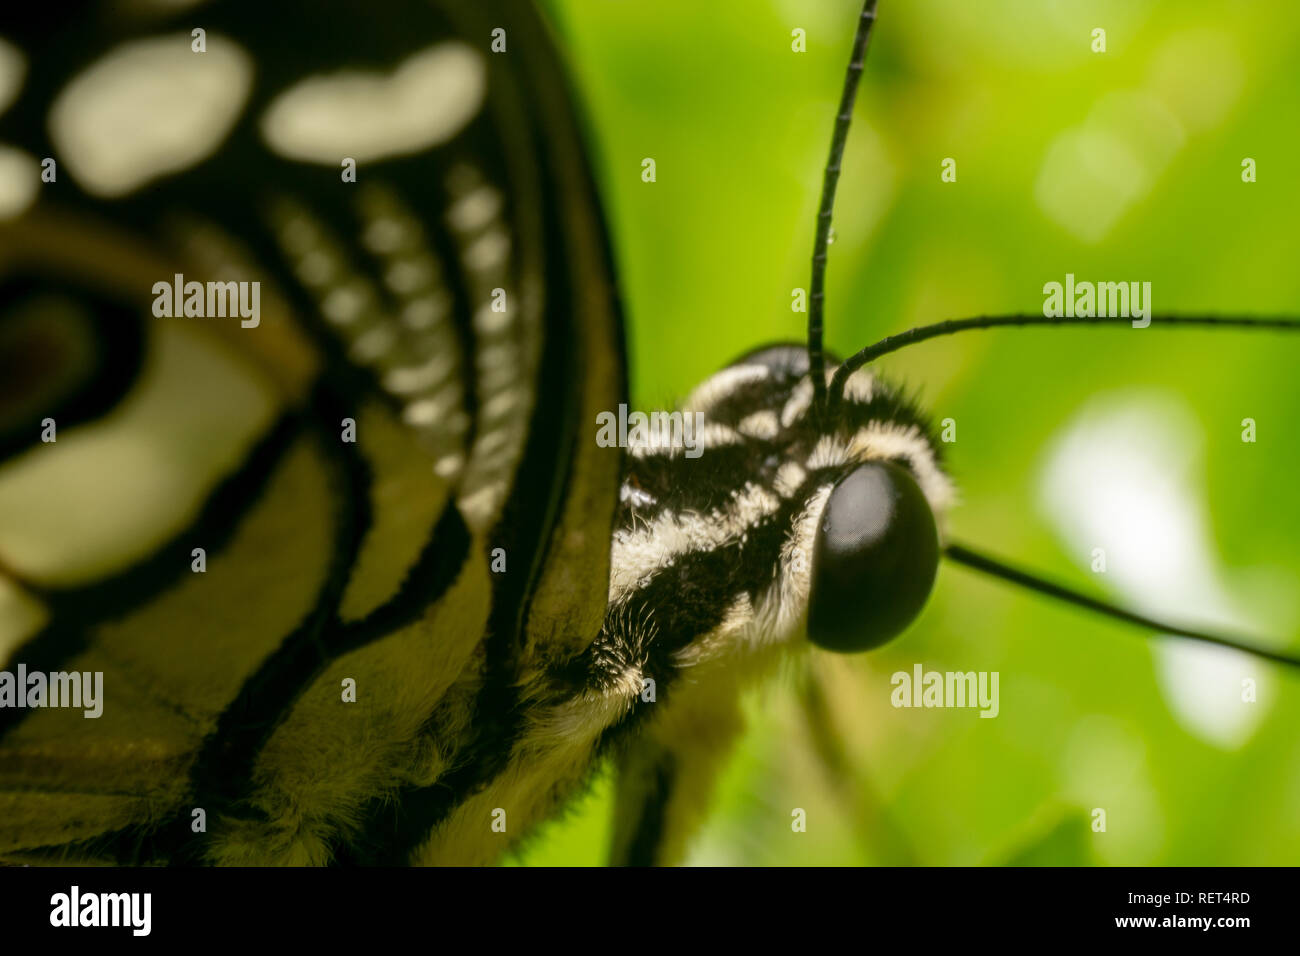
666 776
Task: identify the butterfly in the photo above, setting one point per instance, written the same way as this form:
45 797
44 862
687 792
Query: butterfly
305 339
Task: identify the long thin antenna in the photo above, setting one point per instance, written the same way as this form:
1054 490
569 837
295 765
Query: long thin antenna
893 343
816 360
981 562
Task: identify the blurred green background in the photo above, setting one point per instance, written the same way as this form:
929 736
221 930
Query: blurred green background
1123 165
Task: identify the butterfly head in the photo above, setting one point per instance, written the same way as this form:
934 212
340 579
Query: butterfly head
804 520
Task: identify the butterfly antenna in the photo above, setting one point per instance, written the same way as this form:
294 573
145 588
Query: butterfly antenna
816 358
893 343
981 562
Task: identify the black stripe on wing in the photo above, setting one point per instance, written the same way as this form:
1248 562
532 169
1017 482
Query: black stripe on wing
220 775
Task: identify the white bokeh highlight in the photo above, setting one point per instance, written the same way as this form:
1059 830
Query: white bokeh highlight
1126 475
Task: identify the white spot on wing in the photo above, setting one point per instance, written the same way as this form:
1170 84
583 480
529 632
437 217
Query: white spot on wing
475 210
148 108
19 176
13 65
366 116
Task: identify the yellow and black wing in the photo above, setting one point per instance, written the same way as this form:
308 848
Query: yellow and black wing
305 541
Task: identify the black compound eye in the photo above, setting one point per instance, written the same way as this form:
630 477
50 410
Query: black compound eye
874 561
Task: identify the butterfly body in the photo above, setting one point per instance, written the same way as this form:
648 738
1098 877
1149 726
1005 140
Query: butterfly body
710 571
712 566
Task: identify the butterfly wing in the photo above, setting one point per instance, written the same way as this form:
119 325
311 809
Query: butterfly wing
281 535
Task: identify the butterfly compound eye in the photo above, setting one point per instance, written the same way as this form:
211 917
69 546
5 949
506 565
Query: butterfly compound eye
874 560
